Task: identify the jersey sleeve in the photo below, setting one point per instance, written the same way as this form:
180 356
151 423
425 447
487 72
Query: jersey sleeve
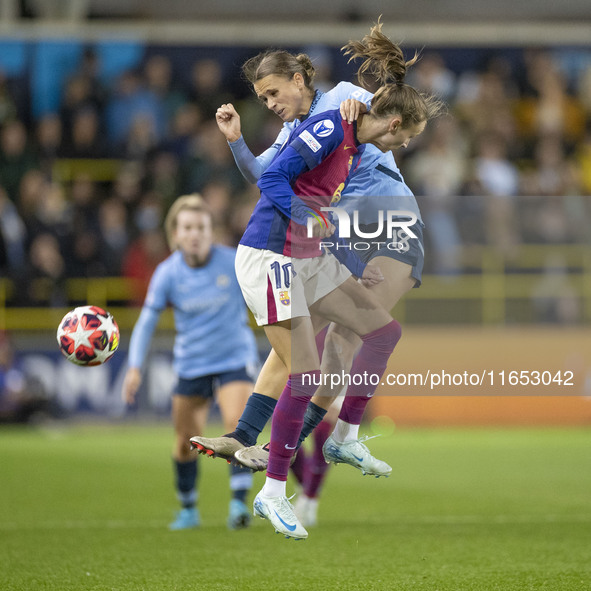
251 166
345 90
141 337
305 151
155 302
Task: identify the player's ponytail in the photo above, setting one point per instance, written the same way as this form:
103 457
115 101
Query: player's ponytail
384 61
279 63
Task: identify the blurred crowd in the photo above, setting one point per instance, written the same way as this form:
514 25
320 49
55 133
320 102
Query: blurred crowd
510 163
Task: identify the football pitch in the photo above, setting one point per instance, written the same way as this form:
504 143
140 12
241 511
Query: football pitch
87 507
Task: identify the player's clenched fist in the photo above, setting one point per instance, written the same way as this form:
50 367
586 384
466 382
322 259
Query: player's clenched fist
228 121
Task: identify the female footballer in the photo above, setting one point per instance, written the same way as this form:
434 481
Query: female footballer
214 350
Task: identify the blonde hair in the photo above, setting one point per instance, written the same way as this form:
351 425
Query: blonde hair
280 63
384 61
193 202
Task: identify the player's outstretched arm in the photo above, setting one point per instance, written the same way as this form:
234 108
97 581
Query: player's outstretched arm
131 384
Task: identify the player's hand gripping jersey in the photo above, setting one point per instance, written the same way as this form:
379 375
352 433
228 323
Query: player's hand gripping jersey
311 169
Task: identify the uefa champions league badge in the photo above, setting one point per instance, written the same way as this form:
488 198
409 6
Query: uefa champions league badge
323 128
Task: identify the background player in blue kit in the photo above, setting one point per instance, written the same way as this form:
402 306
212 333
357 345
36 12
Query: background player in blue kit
291 95
214 350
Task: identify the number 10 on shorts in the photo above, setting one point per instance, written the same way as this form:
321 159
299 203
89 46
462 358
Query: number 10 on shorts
282 274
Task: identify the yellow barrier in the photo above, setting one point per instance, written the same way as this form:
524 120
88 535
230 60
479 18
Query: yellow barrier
97 169
510 376
484 297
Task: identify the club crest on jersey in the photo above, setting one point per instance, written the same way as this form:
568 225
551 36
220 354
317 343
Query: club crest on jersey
284 298
323 128
222 281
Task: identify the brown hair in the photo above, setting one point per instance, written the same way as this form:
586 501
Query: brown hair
193 202
280 63
384 60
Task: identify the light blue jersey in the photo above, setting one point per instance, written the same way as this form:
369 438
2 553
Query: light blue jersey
377 173
212 332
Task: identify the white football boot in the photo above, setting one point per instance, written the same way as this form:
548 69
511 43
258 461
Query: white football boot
356 454
279 511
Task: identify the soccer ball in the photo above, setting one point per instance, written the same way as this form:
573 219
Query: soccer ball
88 335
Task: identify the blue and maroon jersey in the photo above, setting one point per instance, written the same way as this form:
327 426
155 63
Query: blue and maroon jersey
312 168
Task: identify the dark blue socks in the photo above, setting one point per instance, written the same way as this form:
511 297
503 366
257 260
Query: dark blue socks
257 412
186 481
312 418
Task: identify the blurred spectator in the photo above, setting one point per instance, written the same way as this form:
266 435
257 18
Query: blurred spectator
8 110
431 75
150 212
554 297
32 190
131 102
141 260
548 109
15 157
207 88
55 212
545 220
148 249
48 141
48 210
584 90
552 172
12 237
437 173
322 61
141 140
495 173
498 179
77 97
3 256
127 185
22 398
185 125
159 81
163 177
218 196
89 69
210 160
84 255
84 200
85 139
583 160
480 95
44 281
114 235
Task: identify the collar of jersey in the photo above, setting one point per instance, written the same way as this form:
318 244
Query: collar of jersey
315 100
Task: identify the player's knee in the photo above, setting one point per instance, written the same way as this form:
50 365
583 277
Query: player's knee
385 338
183 445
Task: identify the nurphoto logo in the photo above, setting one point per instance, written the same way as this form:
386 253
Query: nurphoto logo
393 228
